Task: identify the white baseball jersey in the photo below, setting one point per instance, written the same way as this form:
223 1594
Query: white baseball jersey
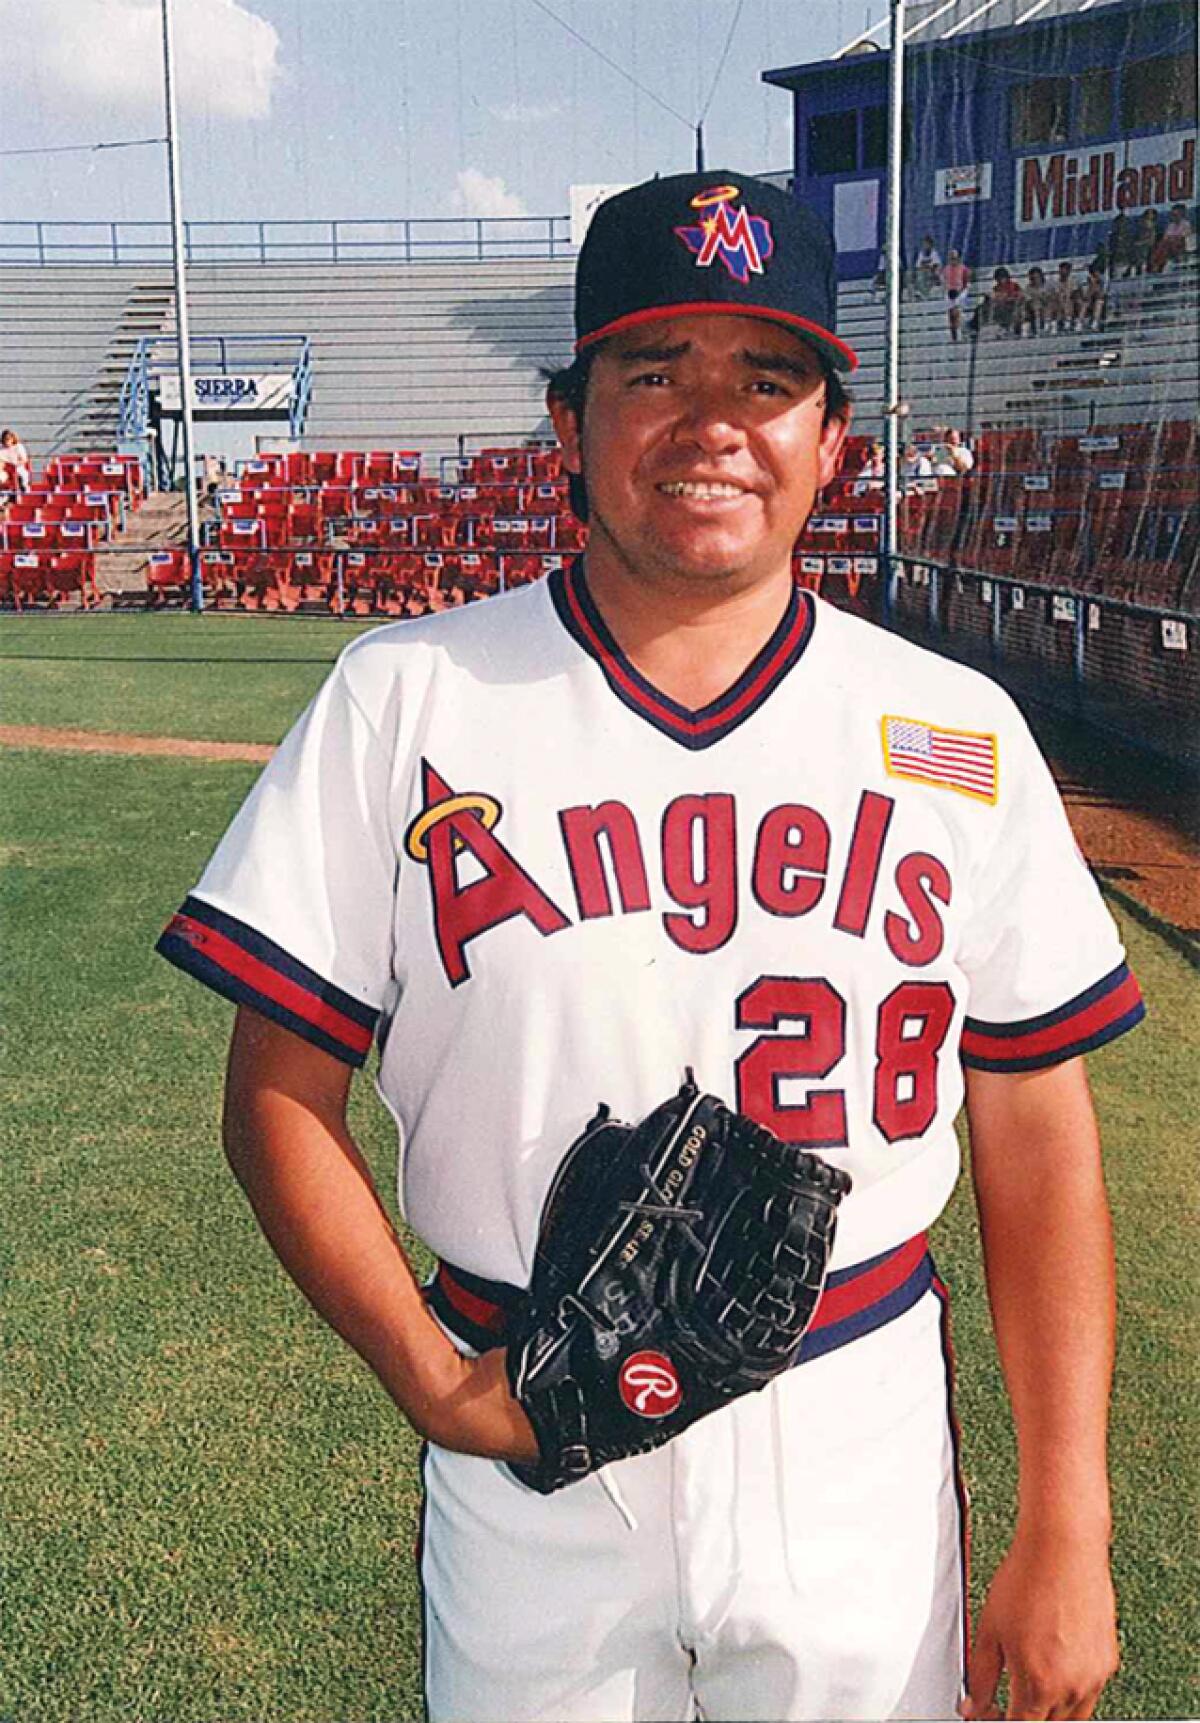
540 884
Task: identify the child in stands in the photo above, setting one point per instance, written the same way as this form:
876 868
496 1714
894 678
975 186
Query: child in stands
956 283
1037 297
1175 242
1094 298
1145 241
1062 305
928 268
16 473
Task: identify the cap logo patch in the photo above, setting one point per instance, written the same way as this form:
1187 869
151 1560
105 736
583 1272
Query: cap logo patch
743 242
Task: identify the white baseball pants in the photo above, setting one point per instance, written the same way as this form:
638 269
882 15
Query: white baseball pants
798 1555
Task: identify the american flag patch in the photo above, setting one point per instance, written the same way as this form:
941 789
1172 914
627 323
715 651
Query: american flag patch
962 760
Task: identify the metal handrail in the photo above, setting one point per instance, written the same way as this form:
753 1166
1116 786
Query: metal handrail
155 354
401 239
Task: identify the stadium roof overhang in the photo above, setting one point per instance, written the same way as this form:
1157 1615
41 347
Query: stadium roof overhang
938 23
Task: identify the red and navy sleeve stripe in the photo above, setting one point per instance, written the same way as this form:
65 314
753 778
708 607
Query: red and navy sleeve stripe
244 965
1099 1014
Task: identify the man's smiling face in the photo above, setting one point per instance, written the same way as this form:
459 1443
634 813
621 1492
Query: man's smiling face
704 443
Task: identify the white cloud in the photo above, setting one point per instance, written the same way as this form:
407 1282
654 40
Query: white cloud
475 193
526 113
110 52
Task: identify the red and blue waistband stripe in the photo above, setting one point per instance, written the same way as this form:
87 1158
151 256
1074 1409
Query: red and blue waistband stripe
1099 1014
860 1299
242 964
855 1301
700 729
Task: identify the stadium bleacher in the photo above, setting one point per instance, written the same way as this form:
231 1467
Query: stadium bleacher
374 533
419 355
50 533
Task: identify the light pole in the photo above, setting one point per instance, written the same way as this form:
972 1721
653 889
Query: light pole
893 406
181 314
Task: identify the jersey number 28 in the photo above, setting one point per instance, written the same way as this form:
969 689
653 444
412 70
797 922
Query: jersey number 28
911 1026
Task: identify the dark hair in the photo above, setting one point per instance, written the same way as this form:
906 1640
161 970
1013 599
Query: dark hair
568 384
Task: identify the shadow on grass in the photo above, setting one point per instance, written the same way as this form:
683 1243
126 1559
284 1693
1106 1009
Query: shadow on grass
143 658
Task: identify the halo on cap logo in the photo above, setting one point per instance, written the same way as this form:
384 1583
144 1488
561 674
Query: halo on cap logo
743 242
649 1385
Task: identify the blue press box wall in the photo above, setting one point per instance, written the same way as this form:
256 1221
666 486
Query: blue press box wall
958 96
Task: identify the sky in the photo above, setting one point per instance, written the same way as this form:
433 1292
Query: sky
369 109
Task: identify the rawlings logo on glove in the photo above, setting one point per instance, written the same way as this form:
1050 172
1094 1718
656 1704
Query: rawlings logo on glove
678 1264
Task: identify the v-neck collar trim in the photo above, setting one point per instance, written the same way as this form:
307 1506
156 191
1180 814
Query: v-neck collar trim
691 729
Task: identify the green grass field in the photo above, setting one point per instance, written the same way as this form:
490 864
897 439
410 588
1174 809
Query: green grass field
209 1508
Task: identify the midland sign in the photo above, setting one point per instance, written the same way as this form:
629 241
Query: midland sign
1084 185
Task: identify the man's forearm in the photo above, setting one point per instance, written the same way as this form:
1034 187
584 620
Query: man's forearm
1050 1614
288 1144
1047 1240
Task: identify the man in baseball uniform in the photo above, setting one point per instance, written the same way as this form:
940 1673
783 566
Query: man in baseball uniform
667 810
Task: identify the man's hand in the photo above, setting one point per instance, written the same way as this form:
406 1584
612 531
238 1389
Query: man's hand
1049 1618
1050 1622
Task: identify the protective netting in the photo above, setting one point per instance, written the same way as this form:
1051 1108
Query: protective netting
1049 350
396 457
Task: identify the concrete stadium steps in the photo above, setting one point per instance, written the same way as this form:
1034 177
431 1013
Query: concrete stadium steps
419 355
67 338
1144 364
406 355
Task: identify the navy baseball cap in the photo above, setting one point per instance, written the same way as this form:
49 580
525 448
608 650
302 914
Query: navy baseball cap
708 242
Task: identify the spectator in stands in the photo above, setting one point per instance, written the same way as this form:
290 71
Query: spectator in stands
916 463
928 268
1037 298
216 474
1004 305
1093 301
956 284
1176 240
1120 245
880 281
1062 305
874 463
1145 240
16 474
952 459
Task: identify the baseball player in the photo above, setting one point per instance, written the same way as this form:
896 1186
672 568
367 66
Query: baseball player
666 811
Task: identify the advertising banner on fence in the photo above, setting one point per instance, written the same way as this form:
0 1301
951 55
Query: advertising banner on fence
969 184
221 395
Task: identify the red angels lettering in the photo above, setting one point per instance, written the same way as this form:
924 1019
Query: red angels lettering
918 939
709 888
582 830
462 912
791 859
648 1385
862 864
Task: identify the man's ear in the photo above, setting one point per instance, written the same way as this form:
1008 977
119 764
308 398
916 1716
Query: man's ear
566 428
833 436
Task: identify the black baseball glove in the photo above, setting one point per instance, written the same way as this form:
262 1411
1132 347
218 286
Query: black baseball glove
678 1264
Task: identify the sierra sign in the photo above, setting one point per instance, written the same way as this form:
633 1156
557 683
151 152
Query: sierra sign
1084 185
